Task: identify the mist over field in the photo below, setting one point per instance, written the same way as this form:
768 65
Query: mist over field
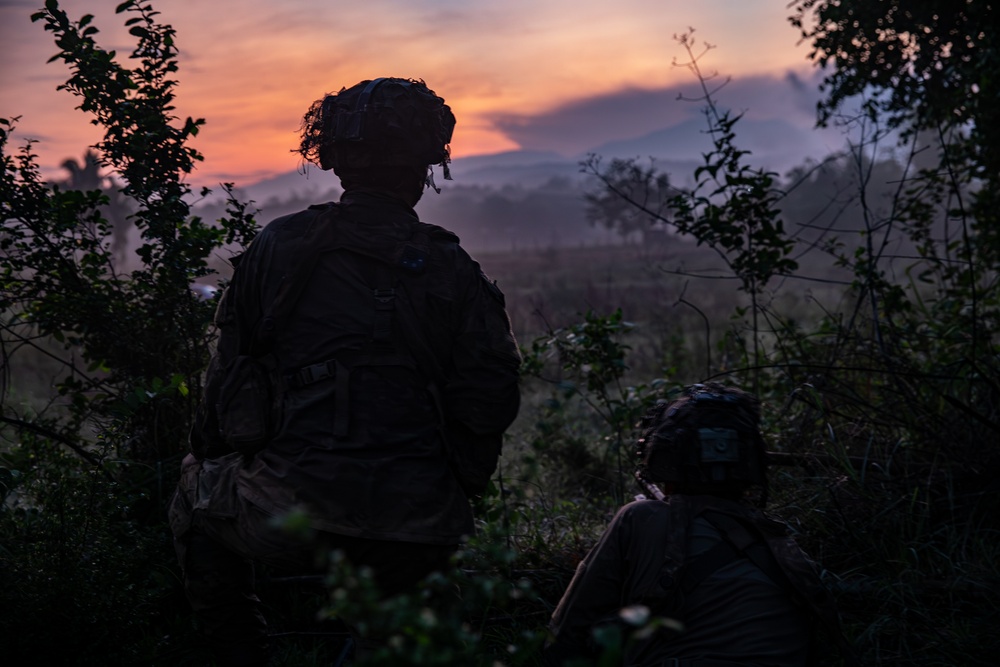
534 199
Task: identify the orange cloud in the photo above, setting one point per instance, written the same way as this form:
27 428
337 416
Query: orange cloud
252 67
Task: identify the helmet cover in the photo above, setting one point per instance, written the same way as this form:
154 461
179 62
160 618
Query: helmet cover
709 436
379 122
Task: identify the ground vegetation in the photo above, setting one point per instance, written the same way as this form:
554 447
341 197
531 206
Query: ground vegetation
866 322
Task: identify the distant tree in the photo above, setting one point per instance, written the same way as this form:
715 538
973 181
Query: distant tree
928 69
823 207
86 176
632 199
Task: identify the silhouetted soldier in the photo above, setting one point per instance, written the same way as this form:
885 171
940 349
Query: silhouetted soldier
364 376
739 591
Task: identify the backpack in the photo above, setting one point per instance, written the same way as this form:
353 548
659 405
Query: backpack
251 390
767 545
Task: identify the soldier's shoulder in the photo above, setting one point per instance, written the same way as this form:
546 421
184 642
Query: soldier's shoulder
491 287
299 220
646 506
438 234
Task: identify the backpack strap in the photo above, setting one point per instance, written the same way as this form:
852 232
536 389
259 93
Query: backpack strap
309 247
753 546
384 292
403 266
742 543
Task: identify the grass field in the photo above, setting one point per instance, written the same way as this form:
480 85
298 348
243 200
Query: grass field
909 550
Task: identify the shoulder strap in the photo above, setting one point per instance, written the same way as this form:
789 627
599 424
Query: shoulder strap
753 546
743 542
308 249
411 265
699 569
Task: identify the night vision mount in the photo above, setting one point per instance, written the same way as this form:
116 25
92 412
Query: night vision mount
708 437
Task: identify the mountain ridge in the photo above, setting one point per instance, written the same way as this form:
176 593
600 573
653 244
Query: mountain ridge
774 144
533 198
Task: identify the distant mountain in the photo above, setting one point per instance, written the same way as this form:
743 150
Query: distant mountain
505 160
526 198
522 168
774 144
685 141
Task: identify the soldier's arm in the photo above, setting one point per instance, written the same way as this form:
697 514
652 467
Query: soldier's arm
625 569
482 394
593 598
206 440
235 317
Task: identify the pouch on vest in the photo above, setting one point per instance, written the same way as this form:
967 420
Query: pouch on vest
245 405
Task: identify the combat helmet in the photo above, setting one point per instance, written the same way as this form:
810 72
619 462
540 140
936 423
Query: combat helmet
378 122
708 440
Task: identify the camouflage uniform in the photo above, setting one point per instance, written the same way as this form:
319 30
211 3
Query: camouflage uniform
361 454
740 588
736 615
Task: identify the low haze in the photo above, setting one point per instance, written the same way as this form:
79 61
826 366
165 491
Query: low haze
552 78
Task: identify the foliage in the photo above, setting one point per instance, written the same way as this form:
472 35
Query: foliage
912 368
588 362
920 65
893 395
82 576
61 279
89 471
884 408
923 68
474 615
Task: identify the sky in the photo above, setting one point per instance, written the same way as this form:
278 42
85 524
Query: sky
553 75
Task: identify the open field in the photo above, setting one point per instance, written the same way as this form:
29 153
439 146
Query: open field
912 573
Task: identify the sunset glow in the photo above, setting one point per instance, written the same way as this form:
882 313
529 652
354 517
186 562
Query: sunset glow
251 68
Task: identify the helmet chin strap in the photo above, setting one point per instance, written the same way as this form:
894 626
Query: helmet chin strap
444 170
429 181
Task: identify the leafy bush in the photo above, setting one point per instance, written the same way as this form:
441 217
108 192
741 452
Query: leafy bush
83 574
87 562
887 411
